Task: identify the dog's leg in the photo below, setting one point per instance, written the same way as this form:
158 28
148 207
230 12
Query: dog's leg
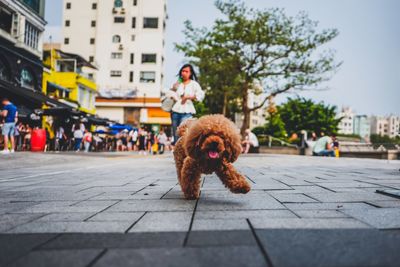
190 179
179 155
232 179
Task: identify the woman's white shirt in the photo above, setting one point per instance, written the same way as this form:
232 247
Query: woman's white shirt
191 89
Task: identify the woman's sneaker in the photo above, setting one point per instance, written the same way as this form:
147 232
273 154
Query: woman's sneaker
5 152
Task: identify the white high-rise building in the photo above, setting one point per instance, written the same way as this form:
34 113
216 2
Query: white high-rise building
346 124
125 40
389 125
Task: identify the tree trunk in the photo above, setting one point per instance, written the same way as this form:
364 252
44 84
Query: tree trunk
225 106
246 110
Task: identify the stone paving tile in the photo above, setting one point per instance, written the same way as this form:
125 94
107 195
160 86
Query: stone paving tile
209 256
383 218
59 258
221 238
243 214
348 197
15 246
292 198
64 217
320 214
72 227
308 223
163 222
297 248
153 205
239 202
116 240
328 206
9 221
116 216
220 224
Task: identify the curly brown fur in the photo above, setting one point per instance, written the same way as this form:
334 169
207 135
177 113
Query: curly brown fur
209 144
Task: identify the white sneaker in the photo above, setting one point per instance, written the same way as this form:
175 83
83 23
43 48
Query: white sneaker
5 152
12 151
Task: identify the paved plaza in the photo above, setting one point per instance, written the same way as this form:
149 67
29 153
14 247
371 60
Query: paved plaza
121 209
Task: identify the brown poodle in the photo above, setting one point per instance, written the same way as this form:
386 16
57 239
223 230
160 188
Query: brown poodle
209 144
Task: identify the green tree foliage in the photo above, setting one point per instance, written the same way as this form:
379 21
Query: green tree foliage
378 139
274 127
303 114
256 51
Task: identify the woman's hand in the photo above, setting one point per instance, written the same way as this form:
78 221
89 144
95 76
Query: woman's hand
175 86
185 98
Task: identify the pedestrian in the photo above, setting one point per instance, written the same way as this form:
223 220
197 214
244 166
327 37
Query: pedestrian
60 138
250 143
87 140
162 141
78 135
10 118
187 90
133 136
142 142
323 147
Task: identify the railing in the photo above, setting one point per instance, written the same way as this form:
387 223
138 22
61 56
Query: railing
270 139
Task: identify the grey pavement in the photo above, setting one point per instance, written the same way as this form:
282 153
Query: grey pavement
121 209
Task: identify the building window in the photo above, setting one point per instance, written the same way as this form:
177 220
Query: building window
150 23
133 22
91 59
147 76
94 6
91 40
135 2
116 39
116 55
131 76
68 6
116 73
5 71
66 40
27 79
132 58
118 3
149 58
119 19
67 23
31 36
93 23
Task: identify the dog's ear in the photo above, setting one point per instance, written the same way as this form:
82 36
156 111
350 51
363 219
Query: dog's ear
192 143
233 146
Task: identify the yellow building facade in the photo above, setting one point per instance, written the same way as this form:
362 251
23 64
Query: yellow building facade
64 80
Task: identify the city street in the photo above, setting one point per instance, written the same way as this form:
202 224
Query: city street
121 209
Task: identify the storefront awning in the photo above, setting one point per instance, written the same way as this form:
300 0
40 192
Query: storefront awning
155 115
34 97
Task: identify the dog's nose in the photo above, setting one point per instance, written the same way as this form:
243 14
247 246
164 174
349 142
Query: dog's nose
214 145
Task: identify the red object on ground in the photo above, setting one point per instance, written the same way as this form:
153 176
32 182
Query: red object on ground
38 140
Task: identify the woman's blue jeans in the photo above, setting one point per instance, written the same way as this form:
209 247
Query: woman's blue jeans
177 119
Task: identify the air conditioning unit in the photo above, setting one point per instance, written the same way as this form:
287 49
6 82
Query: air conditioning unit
123 11
114 10
121 47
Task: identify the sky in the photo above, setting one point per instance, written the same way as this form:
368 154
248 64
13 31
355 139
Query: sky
368 44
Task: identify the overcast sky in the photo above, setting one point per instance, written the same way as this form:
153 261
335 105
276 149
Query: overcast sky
368 45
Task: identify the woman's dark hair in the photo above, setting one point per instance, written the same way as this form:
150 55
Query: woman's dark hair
193 75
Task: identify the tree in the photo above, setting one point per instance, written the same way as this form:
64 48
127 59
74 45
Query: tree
250 47
274 127
303 114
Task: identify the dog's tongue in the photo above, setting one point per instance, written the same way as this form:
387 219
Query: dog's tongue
213 154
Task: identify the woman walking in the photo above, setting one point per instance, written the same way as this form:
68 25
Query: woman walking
187 90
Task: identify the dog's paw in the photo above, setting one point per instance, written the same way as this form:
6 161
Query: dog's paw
191 197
